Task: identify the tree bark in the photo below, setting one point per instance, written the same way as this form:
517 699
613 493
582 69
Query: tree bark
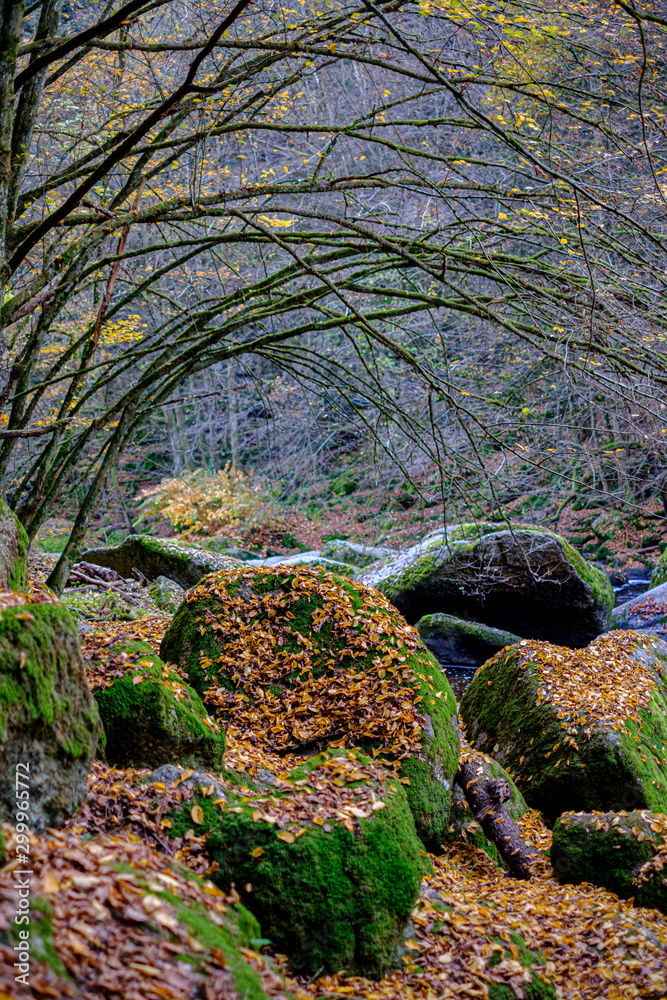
485 797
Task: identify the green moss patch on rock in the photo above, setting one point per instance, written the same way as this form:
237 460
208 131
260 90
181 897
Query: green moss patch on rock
154 557
356 554
13 551
454 640
515 577
48 718
330 864
577 729
152 717
623 852
300 660
529 965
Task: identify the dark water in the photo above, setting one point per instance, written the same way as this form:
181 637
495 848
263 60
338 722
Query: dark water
458 677
633 588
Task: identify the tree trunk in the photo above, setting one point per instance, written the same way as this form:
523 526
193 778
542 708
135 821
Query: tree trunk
485 797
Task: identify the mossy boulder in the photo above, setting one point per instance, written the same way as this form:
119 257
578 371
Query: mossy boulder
152 717
466 644
166 594
313 558
154 557
623 852
48 719
330 865
659 574
14 546
299 660
167 928
356 554
578 729
515 577
647 612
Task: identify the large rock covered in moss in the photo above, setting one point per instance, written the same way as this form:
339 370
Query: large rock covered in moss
114 918
151 717
330 864
300 660
467 644
623 852
154 557
48 719
13 551
659 574
579 729
514 577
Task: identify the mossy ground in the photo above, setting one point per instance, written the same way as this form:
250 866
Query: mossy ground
602 766
328 896
157 720
303 659
538 987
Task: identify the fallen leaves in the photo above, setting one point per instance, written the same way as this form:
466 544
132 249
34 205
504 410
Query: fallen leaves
604 684
118 921
305 661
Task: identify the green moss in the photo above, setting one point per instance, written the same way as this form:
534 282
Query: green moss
16 544
158 720
539 986
239 930
332 899
606 851
659 574
606 769
597 580
35 653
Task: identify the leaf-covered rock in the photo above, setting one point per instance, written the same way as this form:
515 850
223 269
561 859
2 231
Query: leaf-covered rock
113 918
330 863
519 578
467 644
623 852
48 718
13 551
647 612
154 557
578 729
300 660
151 716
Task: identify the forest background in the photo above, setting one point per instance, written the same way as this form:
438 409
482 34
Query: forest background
332 264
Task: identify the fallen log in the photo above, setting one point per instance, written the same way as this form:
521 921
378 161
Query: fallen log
487 796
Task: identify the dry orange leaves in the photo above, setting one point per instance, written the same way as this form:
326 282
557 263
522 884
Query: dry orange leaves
115 933
604 684
340 677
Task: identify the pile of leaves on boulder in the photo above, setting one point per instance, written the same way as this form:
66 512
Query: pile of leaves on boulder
295 660
577 729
